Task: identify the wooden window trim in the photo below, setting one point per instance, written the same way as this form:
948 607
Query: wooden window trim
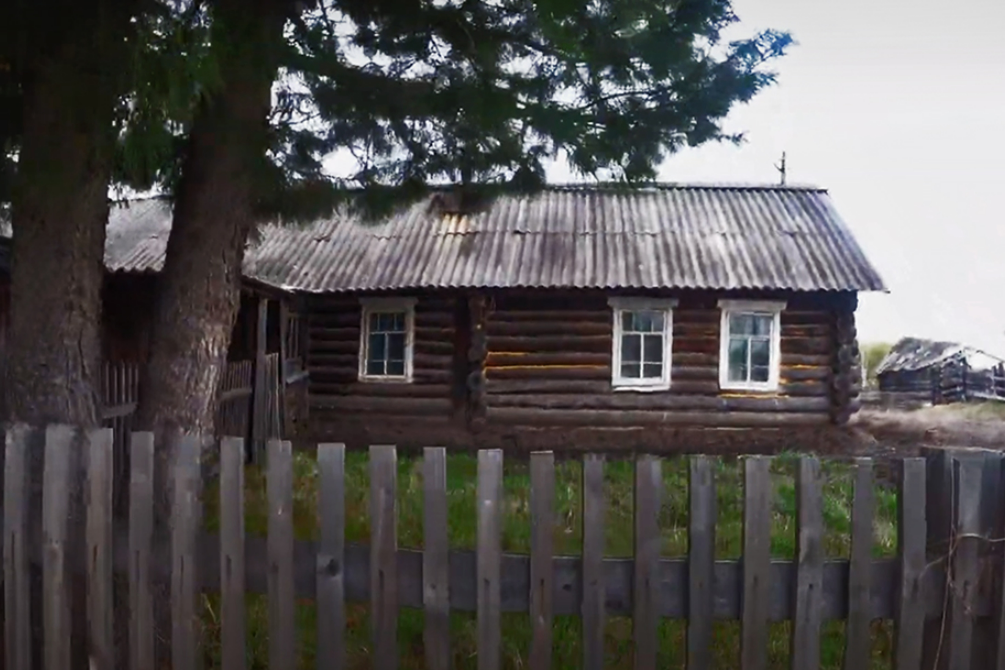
771 308
377 305
619 305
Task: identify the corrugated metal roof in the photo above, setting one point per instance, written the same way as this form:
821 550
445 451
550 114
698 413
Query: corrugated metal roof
671 236
913 353
668 236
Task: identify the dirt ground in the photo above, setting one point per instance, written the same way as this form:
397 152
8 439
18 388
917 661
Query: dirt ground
881 432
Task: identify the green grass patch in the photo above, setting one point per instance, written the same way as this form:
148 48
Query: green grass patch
461 496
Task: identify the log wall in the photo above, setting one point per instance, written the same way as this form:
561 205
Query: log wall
337 395
549 363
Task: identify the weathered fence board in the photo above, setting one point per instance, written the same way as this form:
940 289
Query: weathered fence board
912 589
331 557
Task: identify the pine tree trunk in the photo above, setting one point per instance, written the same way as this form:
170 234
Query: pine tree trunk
214 212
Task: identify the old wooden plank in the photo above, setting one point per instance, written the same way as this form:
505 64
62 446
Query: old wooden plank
56 482
232 611
17 597
141 522
939 521
99 546
593 600
260 403
542 550
756 563
384 545
809 569
331 557
282 617
911 530
966 565
701 563
858 642
633 418
489 558
435 559
185 523
645 620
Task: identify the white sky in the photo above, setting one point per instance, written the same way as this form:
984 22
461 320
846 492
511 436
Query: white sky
896 107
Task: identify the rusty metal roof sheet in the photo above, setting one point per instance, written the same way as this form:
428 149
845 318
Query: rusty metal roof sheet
667 236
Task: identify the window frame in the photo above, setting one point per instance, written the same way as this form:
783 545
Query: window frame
370 306
771 308
623 304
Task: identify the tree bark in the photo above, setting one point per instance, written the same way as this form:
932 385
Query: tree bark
213 215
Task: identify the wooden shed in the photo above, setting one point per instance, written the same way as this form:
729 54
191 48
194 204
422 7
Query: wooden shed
578 314
940 372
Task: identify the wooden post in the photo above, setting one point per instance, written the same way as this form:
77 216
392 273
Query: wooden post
259 403
477 353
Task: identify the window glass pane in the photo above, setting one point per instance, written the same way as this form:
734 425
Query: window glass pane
737 371
396 367
631 348
643 322
759 373
398 321
652 351
630 370
627 321
652 370
396 346
376 350
761 324
760 353
655 321
374 322
375 367
741 324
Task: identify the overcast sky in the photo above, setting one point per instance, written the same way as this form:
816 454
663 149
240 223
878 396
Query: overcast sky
897 107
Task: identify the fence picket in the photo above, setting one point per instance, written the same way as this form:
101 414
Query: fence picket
56 482
282 616
383 561
965 566
809 567
593 606
645 622
99 543
232 553
141 523
756 563
542 550
858 645
185 524
330 585
701 563
17 597
489 559
436 559
911 529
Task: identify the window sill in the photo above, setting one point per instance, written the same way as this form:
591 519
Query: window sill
746 388
371 379
641 388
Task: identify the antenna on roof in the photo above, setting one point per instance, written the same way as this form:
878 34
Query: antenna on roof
781 169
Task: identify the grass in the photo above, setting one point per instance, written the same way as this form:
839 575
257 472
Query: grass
461 486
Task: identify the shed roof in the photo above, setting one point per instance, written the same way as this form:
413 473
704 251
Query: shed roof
913 353
582 236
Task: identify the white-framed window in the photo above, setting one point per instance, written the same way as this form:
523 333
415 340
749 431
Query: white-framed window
749 349
386 337
643 340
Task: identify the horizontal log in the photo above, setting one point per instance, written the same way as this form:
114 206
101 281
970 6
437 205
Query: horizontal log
810 360
384 405
342 319
434 319
697 317
342 360
804 389
806 330
696 345
694 386
537 315
671 601
382 390
662 401
693 372
807 345
702 330
439 347
505 359
796 317
497 386
329 347
345 375
695 359
795 374
517 416
546 343
330 334
555 328
568 372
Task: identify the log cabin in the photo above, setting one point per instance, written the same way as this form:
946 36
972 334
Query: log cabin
579 315
939 372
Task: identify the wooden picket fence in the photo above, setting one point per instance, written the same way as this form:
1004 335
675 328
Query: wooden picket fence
958 595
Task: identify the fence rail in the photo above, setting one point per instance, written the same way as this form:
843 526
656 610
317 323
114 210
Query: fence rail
960 492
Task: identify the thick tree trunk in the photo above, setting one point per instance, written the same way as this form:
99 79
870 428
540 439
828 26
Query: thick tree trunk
213 216
214 213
